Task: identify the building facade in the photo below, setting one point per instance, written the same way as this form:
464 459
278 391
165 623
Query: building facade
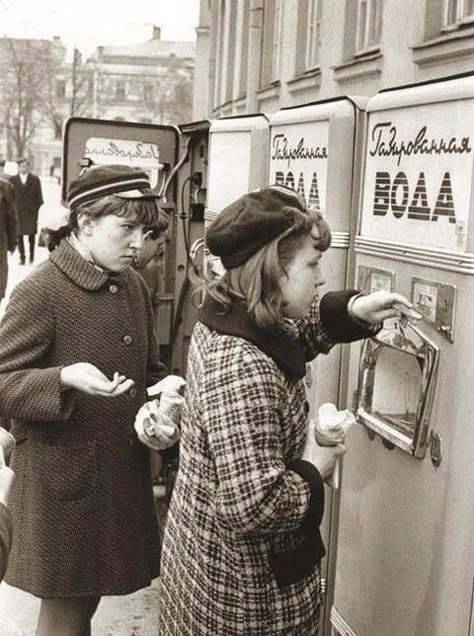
40 87
150 82
268 54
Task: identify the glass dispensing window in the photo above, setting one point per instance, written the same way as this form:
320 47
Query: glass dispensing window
397 376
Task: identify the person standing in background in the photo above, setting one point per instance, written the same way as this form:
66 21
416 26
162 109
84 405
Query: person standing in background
28 200
7 226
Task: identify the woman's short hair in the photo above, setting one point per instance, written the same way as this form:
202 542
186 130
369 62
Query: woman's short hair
143 211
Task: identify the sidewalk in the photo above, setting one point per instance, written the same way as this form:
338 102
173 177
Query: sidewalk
132 615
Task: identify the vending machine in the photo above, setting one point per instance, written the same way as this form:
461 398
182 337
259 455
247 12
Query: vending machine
406 528
191 203
238 150
153 148
315 149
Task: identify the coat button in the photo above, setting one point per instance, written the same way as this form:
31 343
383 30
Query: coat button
133 392
113 289
127 340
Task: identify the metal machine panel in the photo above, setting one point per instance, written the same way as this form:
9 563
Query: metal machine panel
406 546
314 149
153 148
237 164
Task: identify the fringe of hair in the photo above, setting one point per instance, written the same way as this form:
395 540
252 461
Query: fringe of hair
145 211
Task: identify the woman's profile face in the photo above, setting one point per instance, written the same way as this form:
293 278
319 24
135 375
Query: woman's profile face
304 276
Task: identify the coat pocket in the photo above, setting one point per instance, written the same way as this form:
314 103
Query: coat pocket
67 473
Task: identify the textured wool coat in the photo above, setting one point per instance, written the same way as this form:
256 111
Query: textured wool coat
242 545
6 529
82 501
7 229
28 200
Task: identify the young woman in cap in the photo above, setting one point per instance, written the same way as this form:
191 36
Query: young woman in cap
77 351
242 545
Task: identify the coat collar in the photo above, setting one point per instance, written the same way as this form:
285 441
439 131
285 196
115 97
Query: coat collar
80 271
282 346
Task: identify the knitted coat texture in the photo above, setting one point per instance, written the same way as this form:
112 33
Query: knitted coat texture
82 501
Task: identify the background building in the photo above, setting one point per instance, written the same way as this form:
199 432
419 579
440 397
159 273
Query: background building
267 54
149 82
40 88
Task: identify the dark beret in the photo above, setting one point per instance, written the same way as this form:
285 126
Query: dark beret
99 181
252 221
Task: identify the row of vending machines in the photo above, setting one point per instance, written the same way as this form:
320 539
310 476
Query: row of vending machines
393 176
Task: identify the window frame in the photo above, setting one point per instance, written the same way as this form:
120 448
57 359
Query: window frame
371 23
312 34
461 16
277 32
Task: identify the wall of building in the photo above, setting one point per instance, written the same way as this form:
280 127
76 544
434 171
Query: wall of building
252 69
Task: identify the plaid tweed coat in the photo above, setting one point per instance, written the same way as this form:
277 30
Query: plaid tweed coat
82 502
238 555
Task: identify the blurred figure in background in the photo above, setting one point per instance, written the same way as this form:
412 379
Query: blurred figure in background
7 226
28 200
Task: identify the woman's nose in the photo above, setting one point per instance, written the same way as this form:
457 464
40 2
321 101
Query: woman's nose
320 280
137 239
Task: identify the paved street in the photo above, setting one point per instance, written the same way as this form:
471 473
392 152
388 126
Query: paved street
133 615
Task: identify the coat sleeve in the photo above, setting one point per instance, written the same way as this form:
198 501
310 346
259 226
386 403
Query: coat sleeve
6 531
10 215
256 493
29 391
156 370
39 193
329 323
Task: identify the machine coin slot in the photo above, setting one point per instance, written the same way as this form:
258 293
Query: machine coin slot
436 302
397 377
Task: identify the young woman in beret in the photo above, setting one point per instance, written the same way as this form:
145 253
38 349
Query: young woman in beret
77 351
242 545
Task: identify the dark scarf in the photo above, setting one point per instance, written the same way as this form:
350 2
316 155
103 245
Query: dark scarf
282 346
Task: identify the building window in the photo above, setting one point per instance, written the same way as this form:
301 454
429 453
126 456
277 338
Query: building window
369 25
61 89
313 33
309 35
272 34
148 92
244 52
457 12
120 90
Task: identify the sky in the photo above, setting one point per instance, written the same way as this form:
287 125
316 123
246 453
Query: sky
90 23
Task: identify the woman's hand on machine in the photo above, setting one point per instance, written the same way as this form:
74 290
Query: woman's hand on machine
380 305
87 378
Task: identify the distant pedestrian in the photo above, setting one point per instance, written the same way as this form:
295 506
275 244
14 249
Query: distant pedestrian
28 200
77 351
7 226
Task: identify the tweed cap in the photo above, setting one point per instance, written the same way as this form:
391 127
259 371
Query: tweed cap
99 181
252 221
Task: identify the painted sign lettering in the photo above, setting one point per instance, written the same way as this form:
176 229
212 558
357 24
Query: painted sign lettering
123 151
418 174
298 159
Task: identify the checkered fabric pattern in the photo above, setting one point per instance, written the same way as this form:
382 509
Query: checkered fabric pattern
235 501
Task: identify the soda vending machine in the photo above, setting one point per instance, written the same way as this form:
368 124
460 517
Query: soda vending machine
315 149
238 148
153 148
406 541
